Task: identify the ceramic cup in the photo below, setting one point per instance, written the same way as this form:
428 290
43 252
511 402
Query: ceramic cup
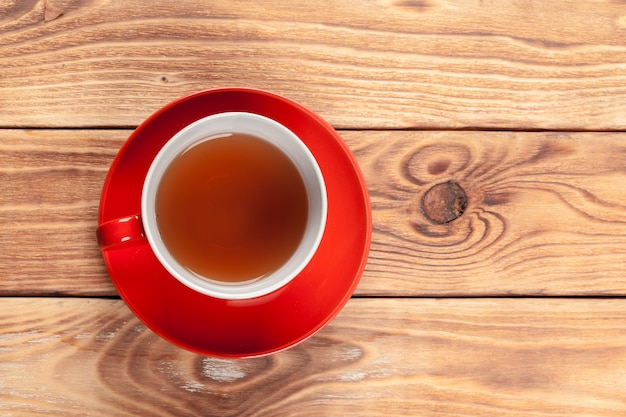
137 227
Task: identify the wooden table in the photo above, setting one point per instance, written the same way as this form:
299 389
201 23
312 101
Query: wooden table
513 306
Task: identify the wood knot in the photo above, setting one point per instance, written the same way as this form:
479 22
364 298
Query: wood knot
444 202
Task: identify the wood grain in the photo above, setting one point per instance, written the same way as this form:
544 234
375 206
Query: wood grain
483 357
546 213
50 183
371 64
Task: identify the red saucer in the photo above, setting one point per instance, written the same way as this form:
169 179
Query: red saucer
263 325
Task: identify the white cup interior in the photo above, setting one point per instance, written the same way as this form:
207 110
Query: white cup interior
219 125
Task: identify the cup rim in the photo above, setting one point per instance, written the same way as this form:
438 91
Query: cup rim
316 192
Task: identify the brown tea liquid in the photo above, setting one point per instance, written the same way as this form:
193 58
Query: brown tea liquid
232 208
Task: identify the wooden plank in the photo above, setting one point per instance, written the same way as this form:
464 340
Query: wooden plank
482 357
50 183
546 213
369 64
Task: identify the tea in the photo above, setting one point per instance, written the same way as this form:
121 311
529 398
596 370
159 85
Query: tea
232 208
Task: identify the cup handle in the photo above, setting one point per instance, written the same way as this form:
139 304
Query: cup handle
124 231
